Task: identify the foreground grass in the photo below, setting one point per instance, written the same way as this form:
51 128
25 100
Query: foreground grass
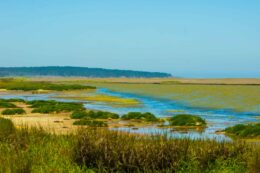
96 150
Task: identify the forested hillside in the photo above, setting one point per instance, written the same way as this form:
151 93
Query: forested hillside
76 71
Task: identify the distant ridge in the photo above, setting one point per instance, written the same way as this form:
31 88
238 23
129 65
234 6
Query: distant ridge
68 71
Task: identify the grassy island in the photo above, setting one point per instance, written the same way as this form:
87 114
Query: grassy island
187 120
246 131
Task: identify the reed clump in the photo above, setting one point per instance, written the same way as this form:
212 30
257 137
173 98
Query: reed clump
113 151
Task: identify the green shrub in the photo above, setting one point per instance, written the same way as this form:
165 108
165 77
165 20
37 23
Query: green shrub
6 128
5 104
51 106
17 111
94 115
90 123
250 130
140 116
187 120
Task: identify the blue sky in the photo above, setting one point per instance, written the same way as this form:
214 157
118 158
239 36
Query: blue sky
188 38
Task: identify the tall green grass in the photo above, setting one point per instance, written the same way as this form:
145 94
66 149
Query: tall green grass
108 151
33 150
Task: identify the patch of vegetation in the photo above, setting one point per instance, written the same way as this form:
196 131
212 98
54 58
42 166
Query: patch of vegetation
98 150
241 130
51 106
90 123
5 104
187 120
94 115
34 86
114 151
6 128
140 116
17 111
13 100
207 96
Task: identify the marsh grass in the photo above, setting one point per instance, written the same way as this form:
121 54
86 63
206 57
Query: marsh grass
51 106
187 120
113 151
90 123
94 115
19 84
235 97
33 150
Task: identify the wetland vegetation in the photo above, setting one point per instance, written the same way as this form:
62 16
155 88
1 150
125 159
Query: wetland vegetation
245 130
187 120
99 150
16 111
94 115
25 85
94 149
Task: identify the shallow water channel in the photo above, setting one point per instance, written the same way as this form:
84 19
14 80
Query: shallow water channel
217 119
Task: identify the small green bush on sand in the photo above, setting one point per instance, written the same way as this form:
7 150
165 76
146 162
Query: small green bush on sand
186 120
51 106
17 111
140 116
94 115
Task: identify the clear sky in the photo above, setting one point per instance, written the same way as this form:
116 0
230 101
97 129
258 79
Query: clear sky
188 38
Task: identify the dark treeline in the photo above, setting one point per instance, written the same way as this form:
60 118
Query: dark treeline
76 71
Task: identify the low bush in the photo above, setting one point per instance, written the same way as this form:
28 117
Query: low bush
140 116
17 111
90 123
94 115
6 104
51 106
250 130
187 120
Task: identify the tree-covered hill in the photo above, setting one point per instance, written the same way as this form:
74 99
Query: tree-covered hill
76 71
